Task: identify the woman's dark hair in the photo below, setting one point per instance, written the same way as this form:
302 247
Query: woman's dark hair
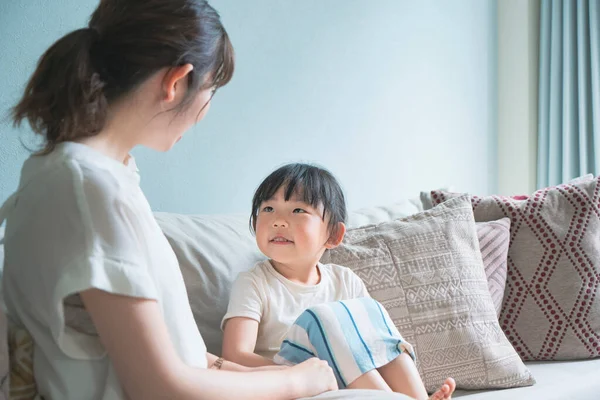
313 185
124 44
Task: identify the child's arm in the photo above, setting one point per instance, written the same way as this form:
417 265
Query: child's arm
239 340
135 335
241 322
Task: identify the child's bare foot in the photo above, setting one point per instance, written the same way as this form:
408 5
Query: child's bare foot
445 392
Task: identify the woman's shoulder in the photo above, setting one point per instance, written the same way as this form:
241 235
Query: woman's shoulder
61 170
66 191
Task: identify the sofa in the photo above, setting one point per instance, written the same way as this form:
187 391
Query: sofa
213 249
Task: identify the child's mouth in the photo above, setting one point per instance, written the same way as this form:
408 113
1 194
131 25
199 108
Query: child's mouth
280 240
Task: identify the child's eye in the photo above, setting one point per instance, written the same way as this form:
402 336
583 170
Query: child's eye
267 209
298 211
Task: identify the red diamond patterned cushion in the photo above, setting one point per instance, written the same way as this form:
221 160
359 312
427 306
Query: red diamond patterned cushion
551 308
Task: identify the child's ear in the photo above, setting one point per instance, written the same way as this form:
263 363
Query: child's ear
336 239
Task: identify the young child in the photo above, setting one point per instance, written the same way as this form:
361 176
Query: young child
291 307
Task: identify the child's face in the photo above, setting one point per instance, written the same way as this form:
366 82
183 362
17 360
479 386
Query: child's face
291 232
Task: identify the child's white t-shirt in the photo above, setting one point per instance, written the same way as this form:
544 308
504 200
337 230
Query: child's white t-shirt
266 296
78 221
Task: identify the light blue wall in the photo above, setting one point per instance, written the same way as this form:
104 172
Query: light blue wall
394 96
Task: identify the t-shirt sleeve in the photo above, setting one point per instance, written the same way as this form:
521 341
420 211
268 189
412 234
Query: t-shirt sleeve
357 286
103 248
245 299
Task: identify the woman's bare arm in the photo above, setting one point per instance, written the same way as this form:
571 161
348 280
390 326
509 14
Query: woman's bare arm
135 336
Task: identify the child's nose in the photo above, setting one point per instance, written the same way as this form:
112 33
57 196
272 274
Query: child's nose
279 222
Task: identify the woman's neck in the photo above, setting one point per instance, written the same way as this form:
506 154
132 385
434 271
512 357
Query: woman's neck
118 136
107 147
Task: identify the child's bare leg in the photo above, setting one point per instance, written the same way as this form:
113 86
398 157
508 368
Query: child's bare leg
403 377
370 380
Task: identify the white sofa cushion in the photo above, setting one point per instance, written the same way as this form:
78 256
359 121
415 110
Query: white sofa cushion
556 380
212 251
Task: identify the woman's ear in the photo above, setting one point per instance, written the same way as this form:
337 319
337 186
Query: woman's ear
336 239
174 83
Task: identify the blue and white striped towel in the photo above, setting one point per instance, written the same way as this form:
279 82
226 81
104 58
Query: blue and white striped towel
353 336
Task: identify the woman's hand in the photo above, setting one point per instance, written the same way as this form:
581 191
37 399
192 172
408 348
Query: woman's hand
312 377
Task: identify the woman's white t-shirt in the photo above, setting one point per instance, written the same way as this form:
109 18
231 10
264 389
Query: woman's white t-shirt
79 220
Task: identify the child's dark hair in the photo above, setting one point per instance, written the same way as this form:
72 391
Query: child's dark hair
314 185
124 44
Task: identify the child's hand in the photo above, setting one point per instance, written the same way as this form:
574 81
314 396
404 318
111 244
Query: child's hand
312 377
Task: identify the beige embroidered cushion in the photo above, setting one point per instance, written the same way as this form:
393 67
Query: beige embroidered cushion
427 271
